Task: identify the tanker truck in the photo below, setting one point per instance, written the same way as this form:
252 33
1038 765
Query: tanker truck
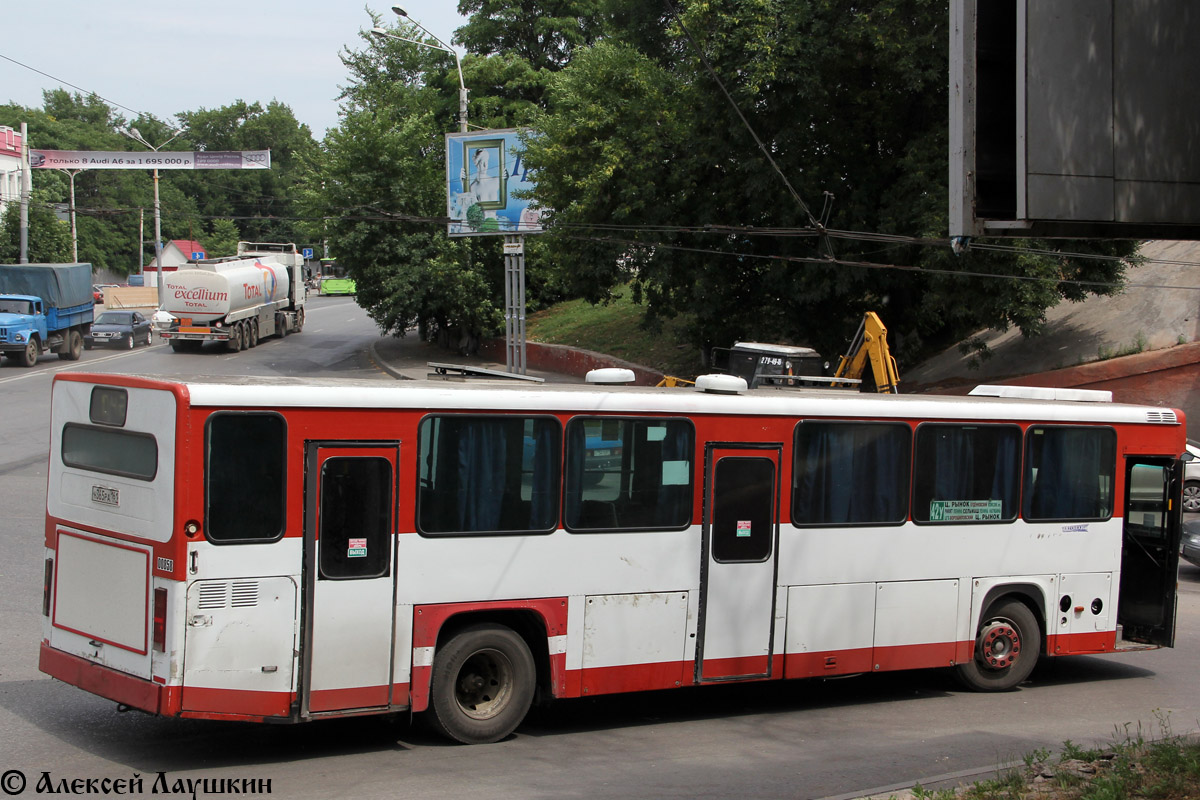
236 300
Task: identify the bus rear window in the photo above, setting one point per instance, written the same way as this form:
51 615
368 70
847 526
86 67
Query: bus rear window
113 452
244 477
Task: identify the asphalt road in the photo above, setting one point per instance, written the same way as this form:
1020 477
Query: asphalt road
808 739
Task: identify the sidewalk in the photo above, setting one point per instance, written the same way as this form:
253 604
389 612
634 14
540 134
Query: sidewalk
408 358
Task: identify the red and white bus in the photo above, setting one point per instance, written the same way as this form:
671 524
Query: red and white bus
290 550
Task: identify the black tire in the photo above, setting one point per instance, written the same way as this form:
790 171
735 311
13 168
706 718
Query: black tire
253 330
299 320
235 339
482 684
177 345
1007 647
129 342
29 356
1191 496
74 347
149 337
281 325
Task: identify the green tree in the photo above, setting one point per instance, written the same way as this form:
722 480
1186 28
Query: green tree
381 186
850 103
49 238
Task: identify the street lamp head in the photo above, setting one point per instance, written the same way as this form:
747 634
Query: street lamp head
399 11
379 31
136 132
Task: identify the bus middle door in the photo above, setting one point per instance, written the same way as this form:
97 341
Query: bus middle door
350 574
738 566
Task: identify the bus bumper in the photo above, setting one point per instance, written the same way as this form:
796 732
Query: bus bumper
100 680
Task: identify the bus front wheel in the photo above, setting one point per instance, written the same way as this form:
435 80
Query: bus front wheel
1006 649
482 684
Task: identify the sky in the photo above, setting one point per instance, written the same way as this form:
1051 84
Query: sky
165 56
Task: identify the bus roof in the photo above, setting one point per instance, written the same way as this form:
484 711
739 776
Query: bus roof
436 395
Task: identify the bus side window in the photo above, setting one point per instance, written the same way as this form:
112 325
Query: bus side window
628 474
851 473
966 473
1069 473
495 474
244 477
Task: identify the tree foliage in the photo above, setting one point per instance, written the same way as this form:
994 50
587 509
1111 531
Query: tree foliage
114 208
849 100
49 238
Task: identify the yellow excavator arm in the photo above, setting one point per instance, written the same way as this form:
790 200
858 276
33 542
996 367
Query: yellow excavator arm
870 346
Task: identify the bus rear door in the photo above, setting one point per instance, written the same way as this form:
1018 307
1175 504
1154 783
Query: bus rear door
350 576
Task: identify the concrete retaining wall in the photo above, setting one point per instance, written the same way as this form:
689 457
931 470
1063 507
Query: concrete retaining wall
1169 378
568 360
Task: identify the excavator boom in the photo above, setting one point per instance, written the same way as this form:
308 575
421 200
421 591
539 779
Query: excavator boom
869 347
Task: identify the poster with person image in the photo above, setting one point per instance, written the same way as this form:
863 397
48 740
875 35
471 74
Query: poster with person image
488 185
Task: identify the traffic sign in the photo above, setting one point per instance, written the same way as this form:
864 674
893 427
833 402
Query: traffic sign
307 252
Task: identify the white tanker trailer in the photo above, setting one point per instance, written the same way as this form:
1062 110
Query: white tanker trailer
235 300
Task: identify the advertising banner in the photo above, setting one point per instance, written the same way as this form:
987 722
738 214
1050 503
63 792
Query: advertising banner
119 159
485 170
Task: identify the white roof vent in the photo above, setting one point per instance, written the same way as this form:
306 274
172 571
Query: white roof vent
721 384
609 376
1043 393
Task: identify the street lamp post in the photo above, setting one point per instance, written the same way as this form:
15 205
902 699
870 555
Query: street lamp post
133 133
74 232
462 86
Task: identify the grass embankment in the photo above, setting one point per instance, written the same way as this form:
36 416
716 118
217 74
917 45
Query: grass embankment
616 329
1167 768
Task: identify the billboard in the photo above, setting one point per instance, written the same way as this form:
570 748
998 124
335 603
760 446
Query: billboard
119 159
485 171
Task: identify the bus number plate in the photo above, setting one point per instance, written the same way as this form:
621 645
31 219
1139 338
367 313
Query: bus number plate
105 495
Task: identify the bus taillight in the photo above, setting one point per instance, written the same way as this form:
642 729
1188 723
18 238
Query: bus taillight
160 620
47 583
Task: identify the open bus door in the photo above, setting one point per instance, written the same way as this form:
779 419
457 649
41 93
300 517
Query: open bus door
1150 550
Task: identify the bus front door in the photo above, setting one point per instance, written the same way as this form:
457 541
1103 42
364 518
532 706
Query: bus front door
350 574
738 565
1150 550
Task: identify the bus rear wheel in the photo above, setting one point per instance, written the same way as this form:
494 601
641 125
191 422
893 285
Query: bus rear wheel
482 684
1007 647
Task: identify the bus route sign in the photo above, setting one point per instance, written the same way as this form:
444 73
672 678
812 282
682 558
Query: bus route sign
965 510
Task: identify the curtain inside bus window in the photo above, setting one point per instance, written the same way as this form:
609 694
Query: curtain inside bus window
244 477
966 473
488 474
628 474
1069 473
849 473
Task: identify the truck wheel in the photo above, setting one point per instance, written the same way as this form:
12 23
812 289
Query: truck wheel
281 324
235 339
253 329
482 684
176 345
74 347
299 320
29 356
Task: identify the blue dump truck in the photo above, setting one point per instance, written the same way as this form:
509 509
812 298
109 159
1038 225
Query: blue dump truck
44 307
